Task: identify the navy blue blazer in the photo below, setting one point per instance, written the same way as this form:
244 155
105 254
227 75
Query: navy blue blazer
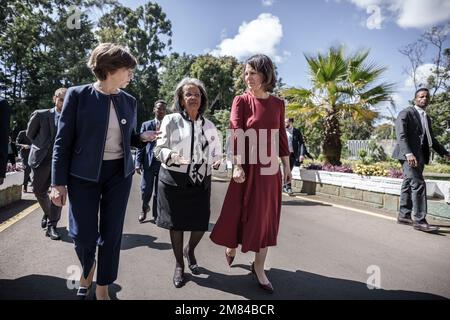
144 156
82 129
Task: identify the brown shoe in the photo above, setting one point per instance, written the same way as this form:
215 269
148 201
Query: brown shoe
424 226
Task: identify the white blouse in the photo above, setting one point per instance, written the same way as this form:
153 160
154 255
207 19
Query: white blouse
197 140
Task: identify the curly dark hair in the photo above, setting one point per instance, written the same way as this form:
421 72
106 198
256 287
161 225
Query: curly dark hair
178 95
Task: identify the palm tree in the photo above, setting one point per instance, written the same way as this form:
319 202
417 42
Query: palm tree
341 87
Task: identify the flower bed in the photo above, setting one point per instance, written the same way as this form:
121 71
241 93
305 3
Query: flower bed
376 191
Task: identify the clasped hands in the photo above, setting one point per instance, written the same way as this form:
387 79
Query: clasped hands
178 159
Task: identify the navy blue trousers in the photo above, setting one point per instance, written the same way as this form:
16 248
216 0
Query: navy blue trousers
96 216
149 182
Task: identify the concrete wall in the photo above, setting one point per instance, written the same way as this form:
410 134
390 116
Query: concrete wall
11 189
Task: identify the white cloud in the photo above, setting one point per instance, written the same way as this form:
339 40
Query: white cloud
422 74
421 14
261 35
267 3
407 13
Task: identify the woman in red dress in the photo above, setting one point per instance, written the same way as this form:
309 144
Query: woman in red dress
251 210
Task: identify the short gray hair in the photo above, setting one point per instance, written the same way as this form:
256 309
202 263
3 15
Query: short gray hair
178 95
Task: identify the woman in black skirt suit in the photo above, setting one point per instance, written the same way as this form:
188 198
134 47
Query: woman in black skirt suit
188 147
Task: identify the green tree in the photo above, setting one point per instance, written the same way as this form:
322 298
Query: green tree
39 52
355 130
217 73
173 69
341 85
439 112
384 131
146 31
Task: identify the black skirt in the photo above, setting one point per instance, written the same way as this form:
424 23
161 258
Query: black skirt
183 208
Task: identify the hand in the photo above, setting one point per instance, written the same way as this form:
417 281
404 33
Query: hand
412 161
58 194
177 159
216 164
150 135
287 175
138 170
238 174
301 158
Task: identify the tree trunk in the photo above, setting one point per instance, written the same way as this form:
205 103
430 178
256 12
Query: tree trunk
332 143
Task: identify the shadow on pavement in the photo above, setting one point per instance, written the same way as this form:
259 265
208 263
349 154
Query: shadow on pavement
129 241
41 287
299 202
301 285
11 210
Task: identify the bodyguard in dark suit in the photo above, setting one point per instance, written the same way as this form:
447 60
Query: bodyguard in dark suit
147 163
92 157
5 113
25 145
296 147
41 131
414 140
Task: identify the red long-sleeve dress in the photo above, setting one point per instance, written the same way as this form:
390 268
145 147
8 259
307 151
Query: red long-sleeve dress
251 210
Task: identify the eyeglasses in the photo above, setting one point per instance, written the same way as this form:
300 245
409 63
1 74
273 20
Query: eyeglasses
188 95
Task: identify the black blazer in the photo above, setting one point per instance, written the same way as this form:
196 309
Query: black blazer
411 137
5 113
298 144
41 130
82 129
24 140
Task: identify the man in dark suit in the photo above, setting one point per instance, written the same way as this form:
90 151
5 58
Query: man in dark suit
147 163
296 147
5 113
25 145
414 140
41 130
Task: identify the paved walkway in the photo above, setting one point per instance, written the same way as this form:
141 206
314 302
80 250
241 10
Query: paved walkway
324 252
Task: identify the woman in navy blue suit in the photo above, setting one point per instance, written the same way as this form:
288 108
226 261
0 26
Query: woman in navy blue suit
92 163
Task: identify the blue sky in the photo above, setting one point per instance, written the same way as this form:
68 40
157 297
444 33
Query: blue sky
286 29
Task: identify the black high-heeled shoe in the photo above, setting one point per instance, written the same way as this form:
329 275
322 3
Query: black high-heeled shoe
266 287
83 292
192 266
178 277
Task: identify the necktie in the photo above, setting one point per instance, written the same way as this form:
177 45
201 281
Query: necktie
425 127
